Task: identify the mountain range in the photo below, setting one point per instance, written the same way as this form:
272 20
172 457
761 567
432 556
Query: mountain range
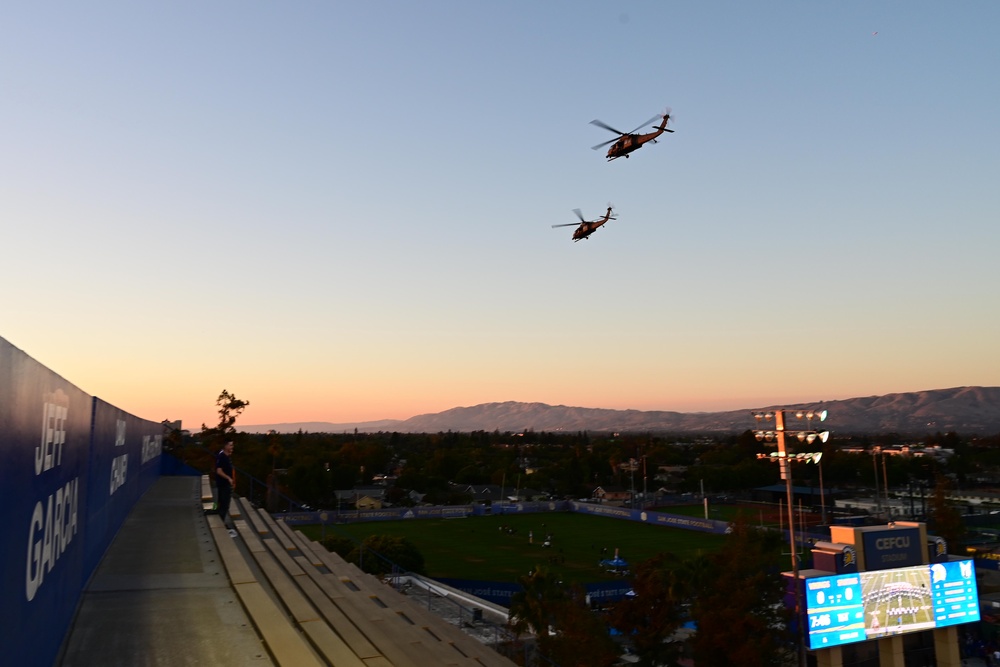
965 410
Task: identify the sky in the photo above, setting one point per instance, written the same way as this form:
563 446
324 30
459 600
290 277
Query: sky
342 211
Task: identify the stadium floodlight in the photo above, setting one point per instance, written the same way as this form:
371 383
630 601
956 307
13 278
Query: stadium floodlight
798 457
813 414
784 459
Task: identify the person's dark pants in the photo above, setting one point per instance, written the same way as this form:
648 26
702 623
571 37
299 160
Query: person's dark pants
225 493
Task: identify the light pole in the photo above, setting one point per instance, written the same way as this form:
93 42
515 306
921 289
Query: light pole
784 458
878 496
645 492
885 486
822 496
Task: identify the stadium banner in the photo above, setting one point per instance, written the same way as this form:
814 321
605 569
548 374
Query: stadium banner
601 593
124 462
71 468
526 507
385 514
501 592
656 518
462 511
497 592
44 474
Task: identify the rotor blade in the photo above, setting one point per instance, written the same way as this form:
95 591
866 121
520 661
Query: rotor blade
656 117
606 126
594 148
568 224
579 215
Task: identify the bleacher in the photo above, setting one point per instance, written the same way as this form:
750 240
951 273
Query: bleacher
311 607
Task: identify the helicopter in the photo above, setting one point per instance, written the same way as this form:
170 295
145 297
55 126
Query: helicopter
630 141
587 227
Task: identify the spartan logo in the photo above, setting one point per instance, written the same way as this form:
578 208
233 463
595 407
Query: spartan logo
55 409
850 557
940 547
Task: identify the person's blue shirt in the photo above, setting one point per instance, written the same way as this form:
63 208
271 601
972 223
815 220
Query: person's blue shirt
225 463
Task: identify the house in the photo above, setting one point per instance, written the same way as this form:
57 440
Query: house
482 493
612 495
368 503
362 497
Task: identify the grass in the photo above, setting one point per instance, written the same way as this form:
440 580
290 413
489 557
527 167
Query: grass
497 548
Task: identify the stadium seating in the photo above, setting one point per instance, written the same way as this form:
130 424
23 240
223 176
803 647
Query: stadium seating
312 607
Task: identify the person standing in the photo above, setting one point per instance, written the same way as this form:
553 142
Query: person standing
225 479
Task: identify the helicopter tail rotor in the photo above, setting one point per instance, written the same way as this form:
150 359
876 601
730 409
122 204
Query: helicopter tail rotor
668 115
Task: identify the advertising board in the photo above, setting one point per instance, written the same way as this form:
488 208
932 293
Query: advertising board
71 468
848 608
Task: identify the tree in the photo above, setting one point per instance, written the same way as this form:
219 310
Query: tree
581 637
230 408
566 630
662 587
175 437
533 608
398 550
739 603
944 519
341 546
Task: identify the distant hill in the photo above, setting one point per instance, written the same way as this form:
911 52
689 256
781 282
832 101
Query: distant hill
966 410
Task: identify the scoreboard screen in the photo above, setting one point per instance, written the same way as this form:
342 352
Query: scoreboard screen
956 599
850 608
835 610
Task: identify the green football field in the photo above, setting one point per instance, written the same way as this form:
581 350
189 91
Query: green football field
898 600
502 548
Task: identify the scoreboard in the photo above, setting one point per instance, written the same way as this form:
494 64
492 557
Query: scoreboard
835 610
854 607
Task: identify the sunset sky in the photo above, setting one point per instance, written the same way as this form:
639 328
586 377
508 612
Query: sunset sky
342 211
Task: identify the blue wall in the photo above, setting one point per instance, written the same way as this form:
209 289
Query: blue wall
71 468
